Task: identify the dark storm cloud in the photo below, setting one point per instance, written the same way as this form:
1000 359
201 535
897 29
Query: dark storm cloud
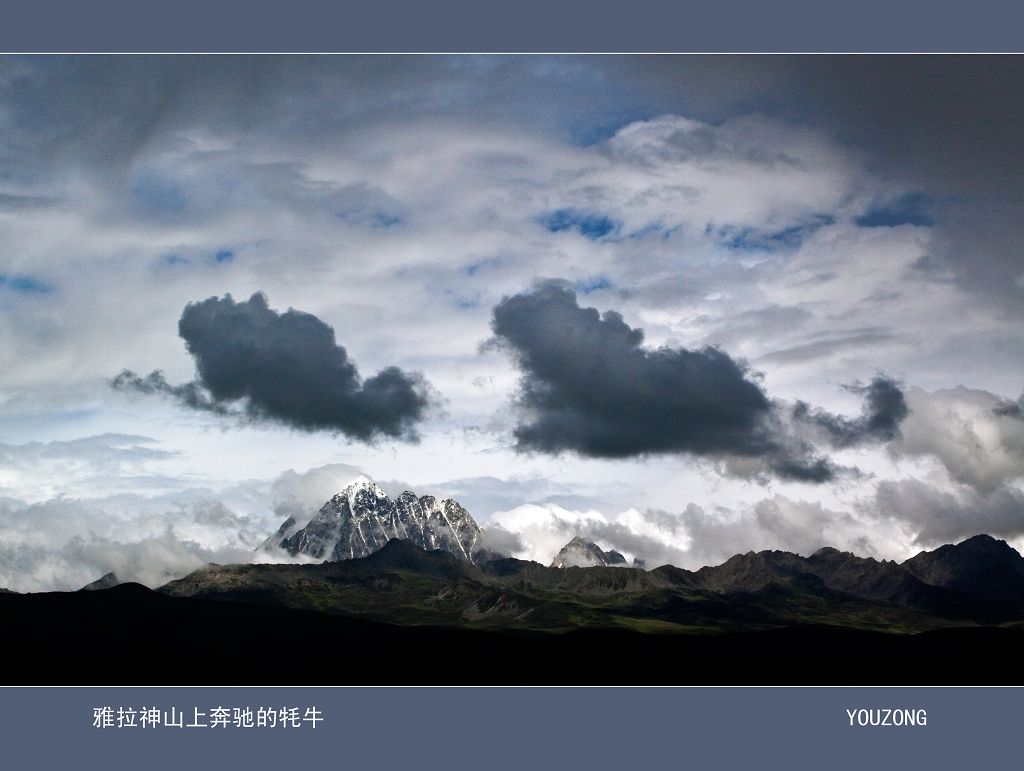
189 395
797 469
885 407
1013 410
588 386
285 368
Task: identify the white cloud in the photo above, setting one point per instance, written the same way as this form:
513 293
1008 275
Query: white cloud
103 463
697 536
63 543
935 516
962 429
300 496
543 530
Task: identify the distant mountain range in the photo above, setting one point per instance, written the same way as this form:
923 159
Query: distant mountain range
418 560
952 615
410 581
979 581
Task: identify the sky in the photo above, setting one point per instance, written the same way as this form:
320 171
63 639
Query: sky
683 306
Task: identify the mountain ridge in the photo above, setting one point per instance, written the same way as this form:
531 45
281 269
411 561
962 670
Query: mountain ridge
404 584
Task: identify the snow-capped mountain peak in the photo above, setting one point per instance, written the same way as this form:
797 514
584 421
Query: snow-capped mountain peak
361 518
361 482
581 553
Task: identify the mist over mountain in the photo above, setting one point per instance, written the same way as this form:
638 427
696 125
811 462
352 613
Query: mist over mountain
980 579
107 581
579 553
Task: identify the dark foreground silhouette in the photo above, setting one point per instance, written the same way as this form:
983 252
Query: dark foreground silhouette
131 635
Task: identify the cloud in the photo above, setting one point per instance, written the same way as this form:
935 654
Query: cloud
588 386
11 202
481 496
61 544
975 434
104 450
948 128
885 407
537 532
1008 409
829 345
690 539
285 368
191 395
936 516
498 540
99 463
300 495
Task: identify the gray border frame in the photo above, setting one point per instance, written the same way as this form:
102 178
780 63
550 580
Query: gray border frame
509 728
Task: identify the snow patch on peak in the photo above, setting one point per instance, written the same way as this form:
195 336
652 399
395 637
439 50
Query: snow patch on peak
352 489
361 518
582 553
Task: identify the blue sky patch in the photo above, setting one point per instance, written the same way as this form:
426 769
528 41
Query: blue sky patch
23 284
382 219
591 225
757 240
604 126
220 256
911 209
464 302
158 196
367 206
594 284
657 229
478 266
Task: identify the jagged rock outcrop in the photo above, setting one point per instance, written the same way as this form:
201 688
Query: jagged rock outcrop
579 553
361 519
